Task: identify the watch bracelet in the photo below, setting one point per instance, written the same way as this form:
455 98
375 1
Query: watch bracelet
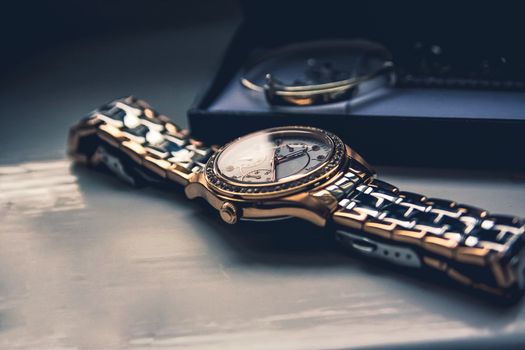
465 243
137 143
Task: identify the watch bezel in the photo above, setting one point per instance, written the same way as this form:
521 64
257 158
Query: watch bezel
231 188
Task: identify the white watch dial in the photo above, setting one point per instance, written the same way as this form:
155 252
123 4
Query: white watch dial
270 157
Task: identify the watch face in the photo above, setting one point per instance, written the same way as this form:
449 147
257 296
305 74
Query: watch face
274 159
277 156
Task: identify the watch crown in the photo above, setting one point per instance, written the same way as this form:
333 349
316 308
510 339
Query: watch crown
229 213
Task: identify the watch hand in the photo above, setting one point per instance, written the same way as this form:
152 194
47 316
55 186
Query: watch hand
290 156
273 163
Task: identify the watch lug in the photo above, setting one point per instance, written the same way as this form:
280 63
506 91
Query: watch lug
197 187
353 155
314 207
317 206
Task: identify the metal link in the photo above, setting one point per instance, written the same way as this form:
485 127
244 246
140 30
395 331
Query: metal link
149 140
364 199
454 238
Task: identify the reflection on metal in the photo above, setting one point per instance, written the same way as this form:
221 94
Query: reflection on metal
115 165
396 254
38 187
319 72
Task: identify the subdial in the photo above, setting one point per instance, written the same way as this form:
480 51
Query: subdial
258 175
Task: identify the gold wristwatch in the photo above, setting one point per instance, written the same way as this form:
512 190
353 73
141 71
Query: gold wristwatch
307 173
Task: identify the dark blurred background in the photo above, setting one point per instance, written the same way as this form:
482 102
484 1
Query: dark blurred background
60 59
31 28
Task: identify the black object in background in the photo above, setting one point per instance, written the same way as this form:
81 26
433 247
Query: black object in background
459 102
479 42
